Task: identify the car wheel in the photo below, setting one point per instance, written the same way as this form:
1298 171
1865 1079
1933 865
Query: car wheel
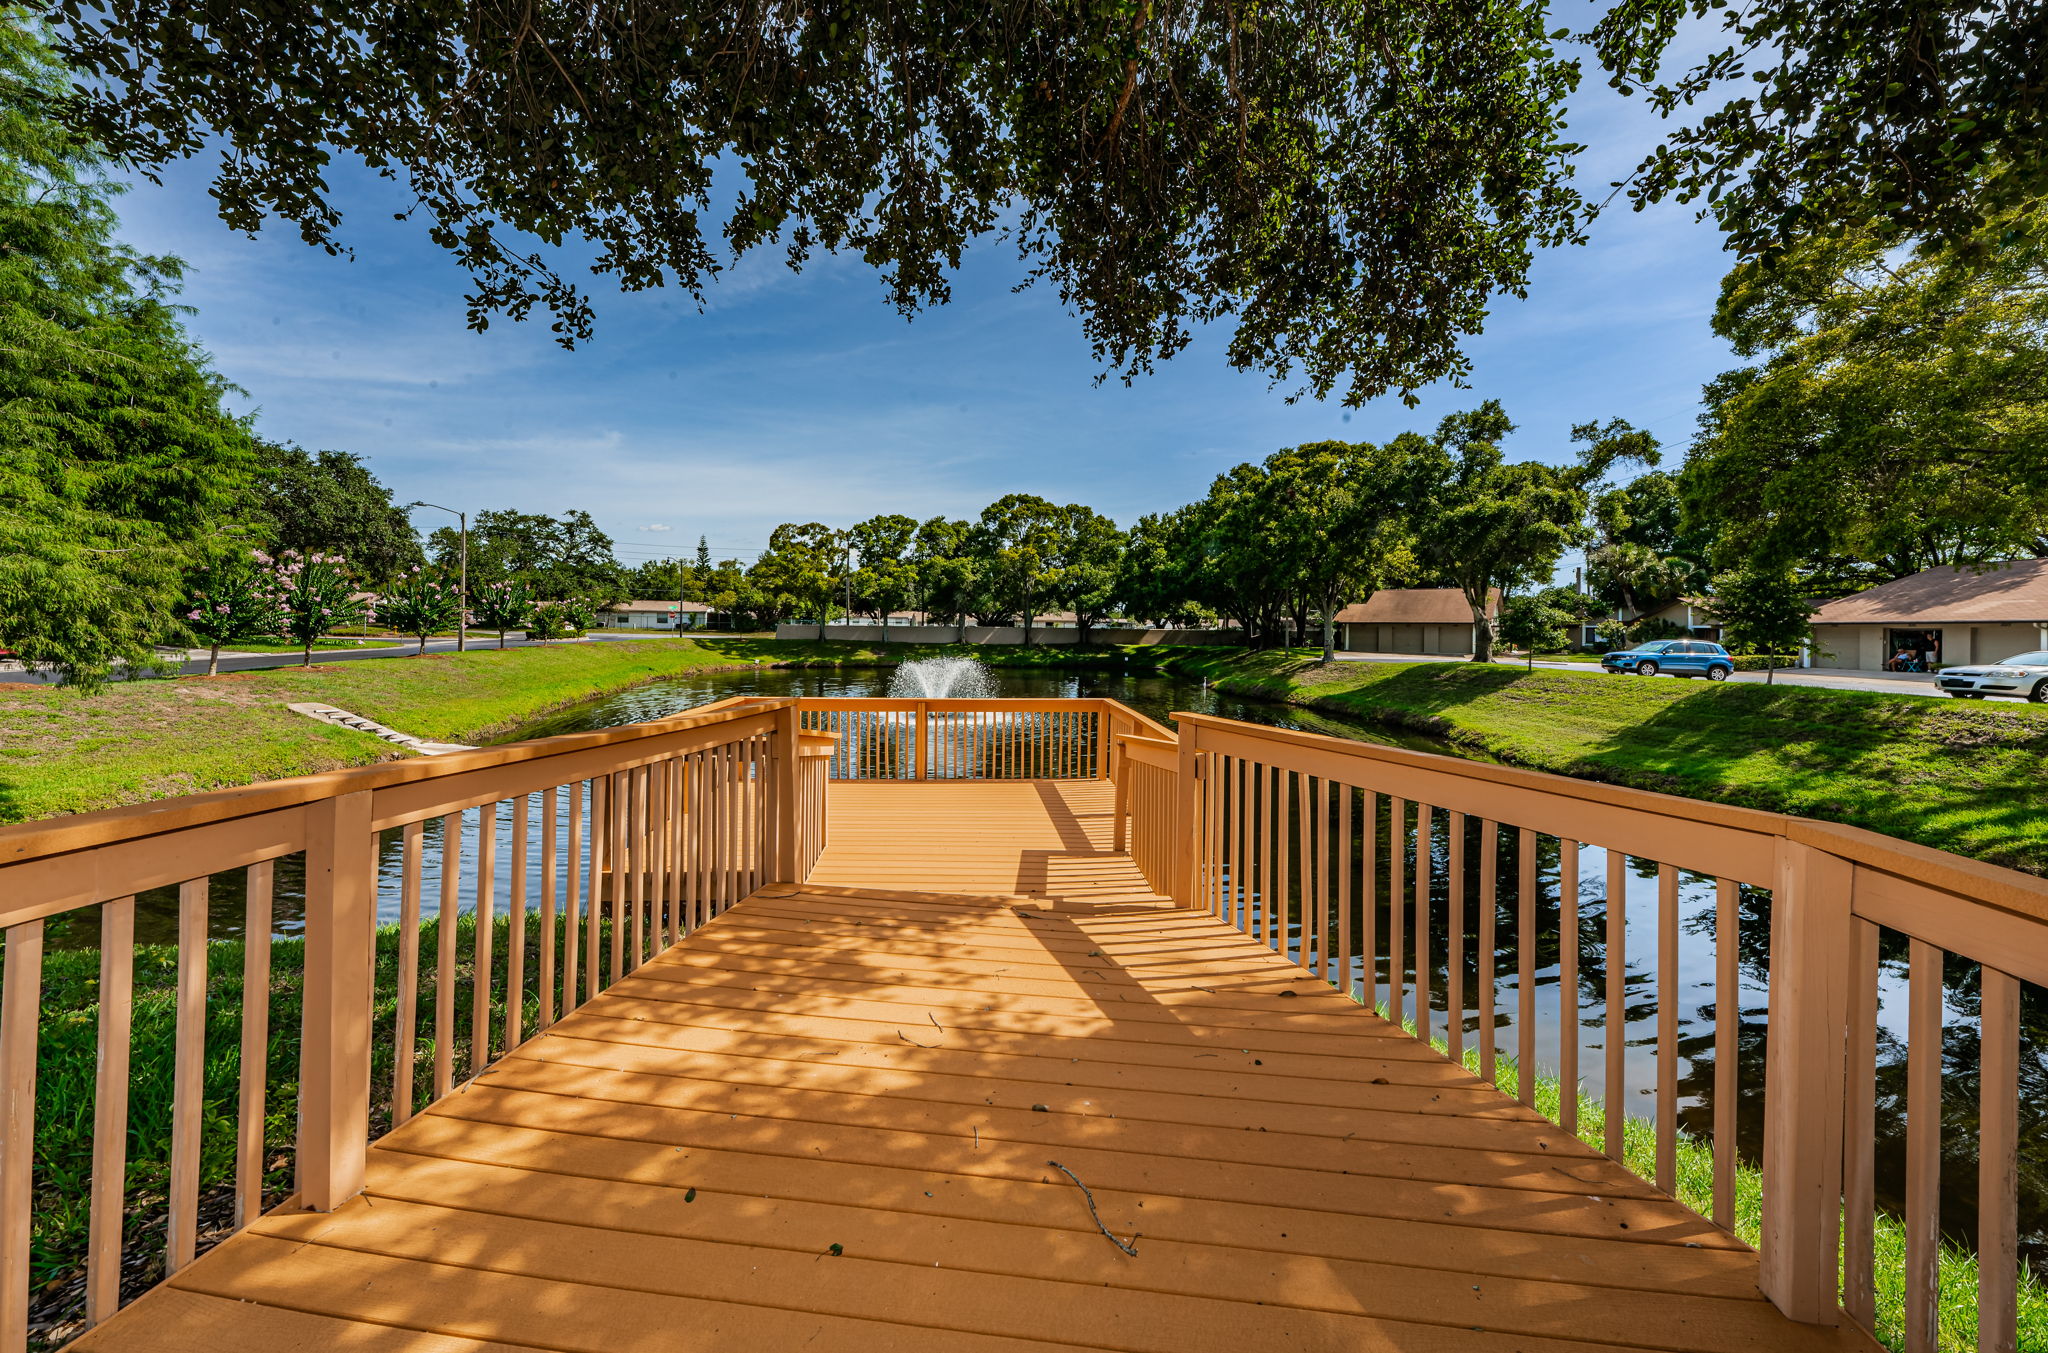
1646 669
1718 673
2039 695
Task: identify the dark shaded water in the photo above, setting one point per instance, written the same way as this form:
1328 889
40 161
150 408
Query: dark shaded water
1159 697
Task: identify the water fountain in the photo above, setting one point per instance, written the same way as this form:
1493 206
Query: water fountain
955 739
942 679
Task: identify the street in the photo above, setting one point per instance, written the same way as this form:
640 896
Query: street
1886 683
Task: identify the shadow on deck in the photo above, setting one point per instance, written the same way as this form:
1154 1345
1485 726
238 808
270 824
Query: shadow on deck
830 1120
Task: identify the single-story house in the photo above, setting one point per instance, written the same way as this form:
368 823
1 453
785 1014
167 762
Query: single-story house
1694 615
1942 616
654 615
1434 620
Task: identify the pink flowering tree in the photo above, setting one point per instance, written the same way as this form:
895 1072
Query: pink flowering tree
421 604
547 623
317 596
504 606
232 601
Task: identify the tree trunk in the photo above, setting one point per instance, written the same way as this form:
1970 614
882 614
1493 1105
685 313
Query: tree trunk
306 654
1771 670
501 638
213 660
1482 634
423 646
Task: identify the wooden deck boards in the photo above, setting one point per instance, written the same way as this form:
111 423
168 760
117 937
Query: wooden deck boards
828 1121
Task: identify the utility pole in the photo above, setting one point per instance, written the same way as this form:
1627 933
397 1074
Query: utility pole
462 574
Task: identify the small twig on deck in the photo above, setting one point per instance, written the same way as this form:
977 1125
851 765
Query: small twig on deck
935 1021
1132 1249
913 1042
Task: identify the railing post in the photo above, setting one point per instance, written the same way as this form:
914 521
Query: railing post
1187 823
334 1067
789 867
923 729
1804 1080
1122 815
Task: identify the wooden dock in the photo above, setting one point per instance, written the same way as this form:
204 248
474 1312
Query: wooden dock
893 1110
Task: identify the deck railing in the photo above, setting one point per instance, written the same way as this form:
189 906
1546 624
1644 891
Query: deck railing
588 850
890 739
1307 842
1364 864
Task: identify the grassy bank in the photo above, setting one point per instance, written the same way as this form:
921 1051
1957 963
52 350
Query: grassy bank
66 1068
1960 777
63 752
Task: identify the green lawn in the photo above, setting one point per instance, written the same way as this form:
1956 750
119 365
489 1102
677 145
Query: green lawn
1960 777
64 752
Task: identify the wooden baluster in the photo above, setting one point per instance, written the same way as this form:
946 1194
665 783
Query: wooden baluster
485 916
1614 1023
1859 1161
1727 1043
619 822
1304 870
1397 910
1422 861
1667 1029
515 935
188 1086
1247 882
1568 984
105 1230
1489 918
572 880
1525 965
1998 1216
1264 865
1368 900
444 957
1344 888
1923 1149
593 906
549 900
1319 848
405 1018
21 995
636 866
255 1068
1454 964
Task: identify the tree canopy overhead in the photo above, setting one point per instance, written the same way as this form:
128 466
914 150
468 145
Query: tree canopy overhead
1350 184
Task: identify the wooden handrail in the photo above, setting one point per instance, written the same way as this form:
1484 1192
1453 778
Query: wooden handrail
1243 792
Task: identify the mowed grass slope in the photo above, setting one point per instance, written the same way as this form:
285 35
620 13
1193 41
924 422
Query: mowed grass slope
63 752
1969 778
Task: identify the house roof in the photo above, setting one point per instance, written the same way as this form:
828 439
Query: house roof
695 607
1415 606
2001 593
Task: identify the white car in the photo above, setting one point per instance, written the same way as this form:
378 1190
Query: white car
2024 675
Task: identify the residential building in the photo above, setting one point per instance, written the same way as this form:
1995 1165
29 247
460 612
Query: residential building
1941 617
654 615
1432 620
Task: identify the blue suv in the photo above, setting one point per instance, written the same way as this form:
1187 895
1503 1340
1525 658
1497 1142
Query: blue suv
1679 657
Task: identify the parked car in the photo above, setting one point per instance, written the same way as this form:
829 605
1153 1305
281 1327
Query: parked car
1678 657
2024 675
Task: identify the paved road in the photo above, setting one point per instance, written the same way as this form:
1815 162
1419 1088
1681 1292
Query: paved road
1889 683
250 662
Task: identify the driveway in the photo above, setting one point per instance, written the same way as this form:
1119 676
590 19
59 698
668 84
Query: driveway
1831 678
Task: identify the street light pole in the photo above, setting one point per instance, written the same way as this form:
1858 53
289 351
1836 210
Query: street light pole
462 575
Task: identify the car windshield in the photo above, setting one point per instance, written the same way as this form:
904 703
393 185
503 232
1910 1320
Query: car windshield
2027 660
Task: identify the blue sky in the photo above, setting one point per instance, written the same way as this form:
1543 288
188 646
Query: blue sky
797 398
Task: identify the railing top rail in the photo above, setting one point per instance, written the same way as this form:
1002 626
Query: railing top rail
1142 740
82 831
1942 871
909 703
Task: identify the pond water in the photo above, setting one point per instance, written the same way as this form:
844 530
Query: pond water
1159 696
